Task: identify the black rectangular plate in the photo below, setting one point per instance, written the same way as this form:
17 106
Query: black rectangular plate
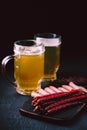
65 115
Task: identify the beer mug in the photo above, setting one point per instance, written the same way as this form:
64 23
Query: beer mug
28 65
52 43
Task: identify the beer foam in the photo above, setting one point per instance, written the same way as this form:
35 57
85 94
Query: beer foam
35 50
48 41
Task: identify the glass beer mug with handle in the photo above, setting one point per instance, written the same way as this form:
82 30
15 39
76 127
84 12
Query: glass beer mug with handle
28 66
52 43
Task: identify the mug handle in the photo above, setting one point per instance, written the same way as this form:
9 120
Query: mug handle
3 69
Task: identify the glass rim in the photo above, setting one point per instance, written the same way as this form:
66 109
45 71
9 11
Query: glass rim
23 47
25 43
47 35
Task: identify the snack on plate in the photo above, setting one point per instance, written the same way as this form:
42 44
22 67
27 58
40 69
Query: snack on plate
52 99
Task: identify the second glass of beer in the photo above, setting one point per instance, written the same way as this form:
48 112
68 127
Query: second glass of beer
52 43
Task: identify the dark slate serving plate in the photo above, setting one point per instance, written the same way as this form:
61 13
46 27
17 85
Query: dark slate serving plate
63 116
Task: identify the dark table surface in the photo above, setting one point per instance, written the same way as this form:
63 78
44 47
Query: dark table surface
11 102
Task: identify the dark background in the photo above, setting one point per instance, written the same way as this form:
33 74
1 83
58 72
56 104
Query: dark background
68 18
21 20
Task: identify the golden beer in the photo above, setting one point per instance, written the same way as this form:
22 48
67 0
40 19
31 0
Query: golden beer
28 71
52 43
51 61
28 66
